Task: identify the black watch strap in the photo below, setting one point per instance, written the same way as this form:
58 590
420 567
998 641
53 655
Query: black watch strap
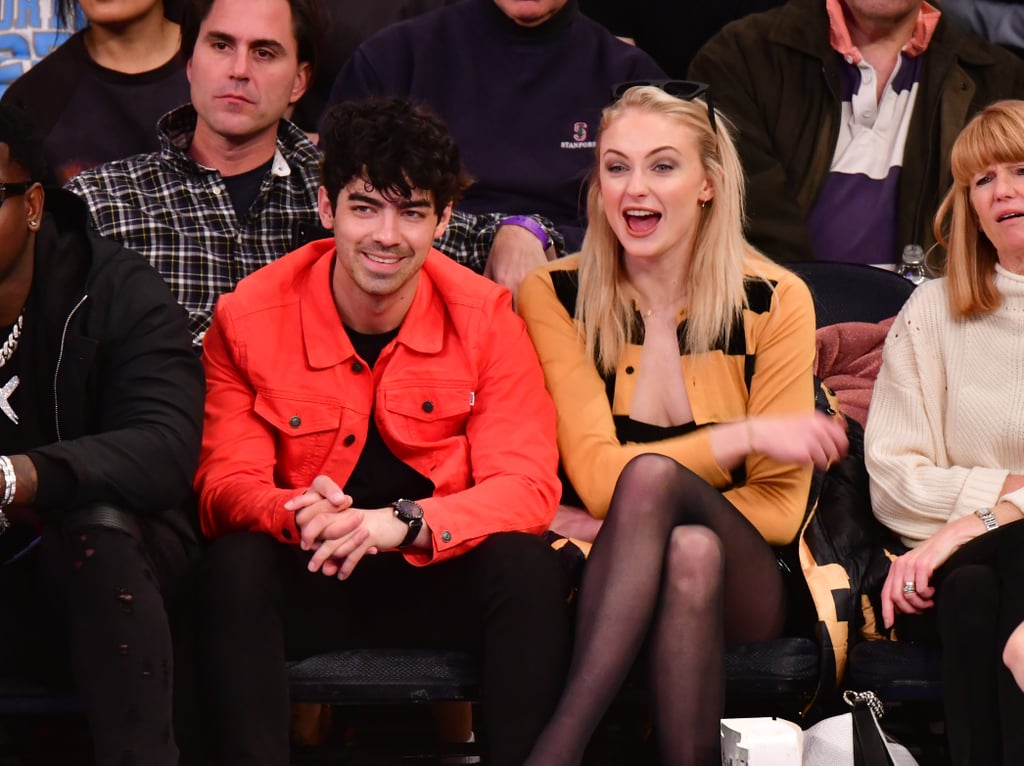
414 529
411 513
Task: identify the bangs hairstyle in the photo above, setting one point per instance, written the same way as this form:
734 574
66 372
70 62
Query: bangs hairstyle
994 135
395 146
604 310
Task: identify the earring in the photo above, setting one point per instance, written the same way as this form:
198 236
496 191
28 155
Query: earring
33 224
703 204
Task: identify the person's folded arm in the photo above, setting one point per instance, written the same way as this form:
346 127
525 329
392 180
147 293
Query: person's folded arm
912 492
512 450
591 453
774 494
915 490
469 240
235 480
148 406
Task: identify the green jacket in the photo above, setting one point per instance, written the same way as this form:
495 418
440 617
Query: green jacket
775 76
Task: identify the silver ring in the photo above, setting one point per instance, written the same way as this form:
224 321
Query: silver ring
909 587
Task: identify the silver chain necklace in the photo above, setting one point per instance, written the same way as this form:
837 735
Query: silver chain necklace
11 344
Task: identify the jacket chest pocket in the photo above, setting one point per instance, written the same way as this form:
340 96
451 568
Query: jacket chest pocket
425 413
304 434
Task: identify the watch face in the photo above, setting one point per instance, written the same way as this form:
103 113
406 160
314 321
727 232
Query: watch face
408 510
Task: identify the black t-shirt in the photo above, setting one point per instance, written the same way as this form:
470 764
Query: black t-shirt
245 187
88 114
379 477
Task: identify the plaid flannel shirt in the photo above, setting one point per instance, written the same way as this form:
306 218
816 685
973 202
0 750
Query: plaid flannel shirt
179 214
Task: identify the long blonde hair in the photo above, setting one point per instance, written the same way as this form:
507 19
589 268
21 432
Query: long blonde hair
604 307
995 134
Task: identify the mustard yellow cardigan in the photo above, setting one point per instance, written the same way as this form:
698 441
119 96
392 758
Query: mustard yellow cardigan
774 352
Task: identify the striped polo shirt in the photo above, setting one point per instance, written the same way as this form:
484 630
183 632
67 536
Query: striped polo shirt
854 217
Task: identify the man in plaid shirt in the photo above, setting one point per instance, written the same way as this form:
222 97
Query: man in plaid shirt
234 185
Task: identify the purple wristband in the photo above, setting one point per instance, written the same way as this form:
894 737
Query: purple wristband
531 225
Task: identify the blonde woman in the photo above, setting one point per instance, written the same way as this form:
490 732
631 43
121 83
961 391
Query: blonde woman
679 360
944 443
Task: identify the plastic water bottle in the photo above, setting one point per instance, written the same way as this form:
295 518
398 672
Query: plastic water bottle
911 265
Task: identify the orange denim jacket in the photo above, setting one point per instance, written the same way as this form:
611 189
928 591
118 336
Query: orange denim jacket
458 395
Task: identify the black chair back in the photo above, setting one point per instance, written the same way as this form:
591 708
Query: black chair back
852 292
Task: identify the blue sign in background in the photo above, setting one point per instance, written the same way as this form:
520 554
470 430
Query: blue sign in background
28 31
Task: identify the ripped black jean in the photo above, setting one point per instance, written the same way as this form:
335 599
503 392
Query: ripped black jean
86 607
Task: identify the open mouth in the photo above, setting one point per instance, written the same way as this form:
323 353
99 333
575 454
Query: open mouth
640 221
1008 216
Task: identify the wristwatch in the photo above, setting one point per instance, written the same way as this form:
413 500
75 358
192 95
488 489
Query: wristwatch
987 518
411 513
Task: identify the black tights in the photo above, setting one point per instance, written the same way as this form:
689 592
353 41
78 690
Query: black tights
677 564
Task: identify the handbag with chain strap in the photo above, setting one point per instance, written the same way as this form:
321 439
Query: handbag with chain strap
855 738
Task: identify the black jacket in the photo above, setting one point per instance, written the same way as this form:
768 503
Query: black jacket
127 391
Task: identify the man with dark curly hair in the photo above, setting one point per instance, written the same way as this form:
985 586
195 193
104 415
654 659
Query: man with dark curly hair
379 454
234 183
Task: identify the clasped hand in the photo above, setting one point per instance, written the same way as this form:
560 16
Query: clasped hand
338 533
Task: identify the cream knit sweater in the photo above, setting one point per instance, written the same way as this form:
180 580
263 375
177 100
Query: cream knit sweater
946 424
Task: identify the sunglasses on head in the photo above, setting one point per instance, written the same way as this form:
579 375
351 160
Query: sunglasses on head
685 90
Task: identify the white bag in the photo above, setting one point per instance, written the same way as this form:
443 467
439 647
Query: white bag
761 742
831 742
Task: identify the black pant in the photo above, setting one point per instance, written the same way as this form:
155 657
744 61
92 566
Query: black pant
503 601
87 606
979 601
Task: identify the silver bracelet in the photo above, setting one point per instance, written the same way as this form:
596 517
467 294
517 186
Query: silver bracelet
10 487
10 481
987 518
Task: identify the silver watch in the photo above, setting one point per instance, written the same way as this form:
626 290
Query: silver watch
987 518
